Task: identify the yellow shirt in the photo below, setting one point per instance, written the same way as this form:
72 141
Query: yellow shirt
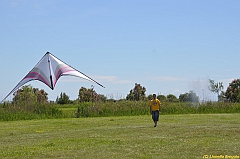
155 104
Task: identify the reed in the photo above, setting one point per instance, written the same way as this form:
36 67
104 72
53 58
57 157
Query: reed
10 112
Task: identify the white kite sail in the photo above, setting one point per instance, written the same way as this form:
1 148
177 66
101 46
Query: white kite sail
48 70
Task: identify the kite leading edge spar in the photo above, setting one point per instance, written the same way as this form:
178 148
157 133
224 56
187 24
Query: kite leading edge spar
48 70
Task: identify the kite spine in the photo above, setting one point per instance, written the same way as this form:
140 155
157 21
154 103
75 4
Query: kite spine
50 71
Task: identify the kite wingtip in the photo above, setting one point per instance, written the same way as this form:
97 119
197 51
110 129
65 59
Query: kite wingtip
101 85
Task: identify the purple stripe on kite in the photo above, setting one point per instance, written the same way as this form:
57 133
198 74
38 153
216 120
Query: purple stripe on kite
39 76
59 73
60 70
55 81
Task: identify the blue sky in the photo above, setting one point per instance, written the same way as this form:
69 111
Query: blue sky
168 46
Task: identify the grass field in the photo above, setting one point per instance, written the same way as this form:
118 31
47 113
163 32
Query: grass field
176 136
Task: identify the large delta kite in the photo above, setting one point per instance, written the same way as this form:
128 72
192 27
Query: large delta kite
48 70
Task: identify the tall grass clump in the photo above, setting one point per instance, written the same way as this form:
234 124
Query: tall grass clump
112 108
179 108
218 107
126 108
199 108
27 111
12 112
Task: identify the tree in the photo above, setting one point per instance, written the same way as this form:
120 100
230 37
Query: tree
171 98
102 98
150 97
30 95
232 93
161 97
216 88
189 97
25 95
42 96
183 97
137 93
63 99
88 95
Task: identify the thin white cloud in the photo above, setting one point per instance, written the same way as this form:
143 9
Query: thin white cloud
177 91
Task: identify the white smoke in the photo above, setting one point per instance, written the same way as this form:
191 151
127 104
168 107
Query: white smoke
200 87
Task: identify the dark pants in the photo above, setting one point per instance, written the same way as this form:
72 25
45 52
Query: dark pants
155 115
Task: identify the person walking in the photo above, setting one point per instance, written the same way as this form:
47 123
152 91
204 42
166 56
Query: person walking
155 109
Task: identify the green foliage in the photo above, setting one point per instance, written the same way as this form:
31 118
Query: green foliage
102 98
149 97
11 112
126 108
29 95
204 108
161 98
137 93
232 93
215 87
117 108
63 99
90 95
30 103
24 96
85 95
172 98
178 108
42 96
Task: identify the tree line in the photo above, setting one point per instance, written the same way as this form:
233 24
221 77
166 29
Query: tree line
138 93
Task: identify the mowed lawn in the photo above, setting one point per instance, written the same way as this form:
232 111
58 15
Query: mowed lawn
176 136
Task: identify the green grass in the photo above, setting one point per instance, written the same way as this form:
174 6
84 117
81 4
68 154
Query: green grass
177 136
